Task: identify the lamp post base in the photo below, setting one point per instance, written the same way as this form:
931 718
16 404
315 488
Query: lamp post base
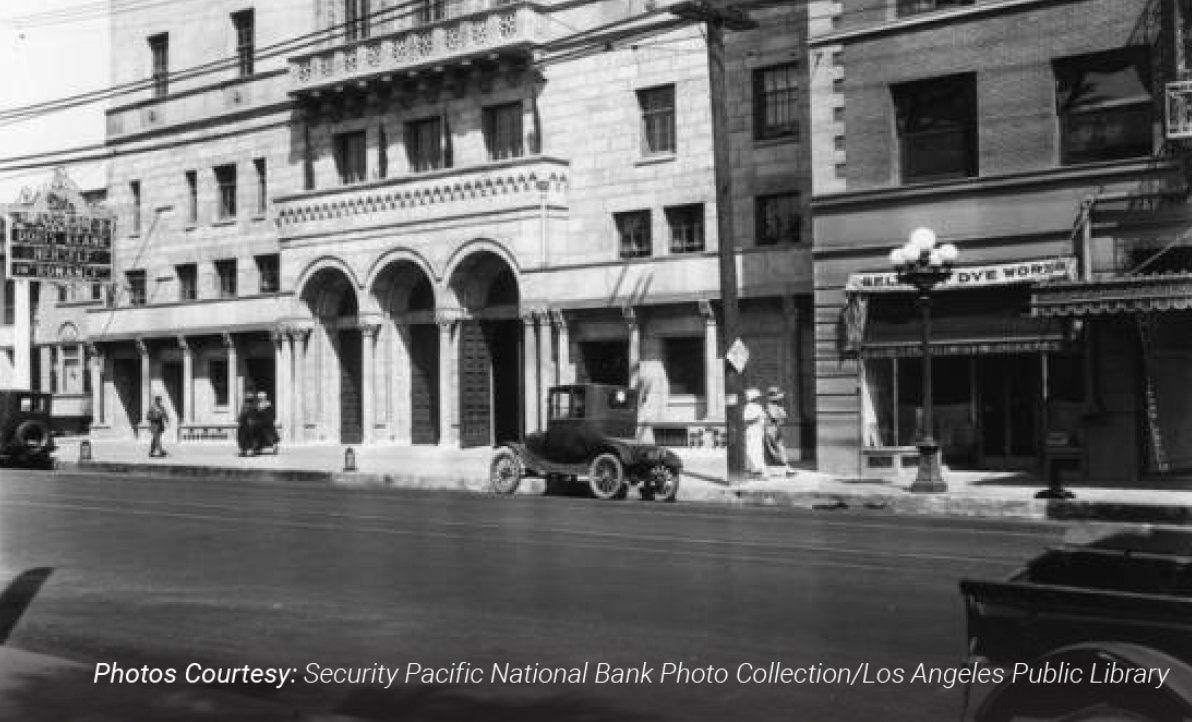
930 479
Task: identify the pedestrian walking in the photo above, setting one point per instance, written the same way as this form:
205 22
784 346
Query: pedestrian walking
157 419
775 419
244 425
266 424
755 431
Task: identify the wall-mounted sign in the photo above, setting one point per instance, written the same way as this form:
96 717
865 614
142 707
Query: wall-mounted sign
55 235
999 274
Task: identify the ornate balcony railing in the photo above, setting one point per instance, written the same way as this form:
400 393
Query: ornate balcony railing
495 28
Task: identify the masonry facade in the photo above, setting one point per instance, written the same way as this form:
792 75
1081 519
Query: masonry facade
407 229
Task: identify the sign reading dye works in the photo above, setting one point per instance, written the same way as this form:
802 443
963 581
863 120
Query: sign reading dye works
55 235
999 274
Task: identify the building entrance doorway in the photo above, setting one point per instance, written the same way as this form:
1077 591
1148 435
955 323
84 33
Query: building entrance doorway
351 415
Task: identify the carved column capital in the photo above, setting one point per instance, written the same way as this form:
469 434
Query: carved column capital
142 346
629 314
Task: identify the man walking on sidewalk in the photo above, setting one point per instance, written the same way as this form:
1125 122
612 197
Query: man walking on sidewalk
157 419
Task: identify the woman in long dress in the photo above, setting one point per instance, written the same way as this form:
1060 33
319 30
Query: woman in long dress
755 433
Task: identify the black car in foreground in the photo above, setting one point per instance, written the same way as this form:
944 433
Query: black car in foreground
26 438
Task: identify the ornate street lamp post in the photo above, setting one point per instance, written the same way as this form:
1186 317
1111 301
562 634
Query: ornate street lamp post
923 265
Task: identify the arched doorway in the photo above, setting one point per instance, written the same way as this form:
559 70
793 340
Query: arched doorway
336 347
412 366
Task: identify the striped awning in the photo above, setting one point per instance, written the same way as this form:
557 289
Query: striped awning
1132 294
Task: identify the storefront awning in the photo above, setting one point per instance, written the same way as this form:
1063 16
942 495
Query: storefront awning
963 336
1133 294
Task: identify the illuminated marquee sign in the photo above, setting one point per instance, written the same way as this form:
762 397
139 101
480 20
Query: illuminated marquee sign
55 236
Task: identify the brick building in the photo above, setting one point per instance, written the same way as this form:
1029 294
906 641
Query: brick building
998 124
405 221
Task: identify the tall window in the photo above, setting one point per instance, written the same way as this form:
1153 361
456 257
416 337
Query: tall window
225 181
134 189
633 228
937 128
686 228
217 373
225 276
778 219
430 11
1105 106
503 131
245 24
159 49
188 284
356 20
258 165
268 267
658 119
136 287
913 7
192 197
774 102
349 157
683 359
424 144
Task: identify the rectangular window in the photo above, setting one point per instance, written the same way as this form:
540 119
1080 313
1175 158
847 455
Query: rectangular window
10 302
1105 107
424 144
774 102
159 49
503 131
136 287
268 267
244 22
683 360
134 189
262 186
778 219
350 157
937 128
634 230
192 197
96 292
914 7
686 228
356 20
432 11
225 276
225 181
188 281
217 372
63 293
658 119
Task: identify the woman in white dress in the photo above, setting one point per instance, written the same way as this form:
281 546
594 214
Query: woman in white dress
755 434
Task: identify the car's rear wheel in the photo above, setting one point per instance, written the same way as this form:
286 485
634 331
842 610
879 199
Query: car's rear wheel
505 472
606 476
664 482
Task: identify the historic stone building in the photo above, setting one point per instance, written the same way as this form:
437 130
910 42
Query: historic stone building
405 221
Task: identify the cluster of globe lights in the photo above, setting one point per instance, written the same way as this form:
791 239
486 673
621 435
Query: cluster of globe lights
921 253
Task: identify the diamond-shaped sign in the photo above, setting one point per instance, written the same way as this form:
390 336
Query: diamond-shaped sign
738 355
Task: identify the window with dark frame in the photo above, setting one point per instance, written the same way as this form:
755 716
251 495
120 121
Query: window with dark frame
502 126
159 49
778 219
225 182
686 225
10 302
633 227
937 128
192 197
775 96
134 189
225 276
683 360
245 24
914 7
217 373
1105 106
356 20
658 119
136 287
268 270
188 281
424 144
63 293
350 158
258 164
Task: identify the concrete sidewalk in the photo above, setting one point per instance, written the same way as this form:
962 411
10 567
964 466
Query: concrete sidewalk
986 494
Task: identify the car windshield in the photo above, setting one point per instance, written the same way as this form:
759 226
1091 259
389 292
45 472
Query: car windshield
567 404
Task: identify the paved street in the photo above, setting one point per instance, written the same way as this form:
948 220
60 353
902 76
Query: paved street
170 572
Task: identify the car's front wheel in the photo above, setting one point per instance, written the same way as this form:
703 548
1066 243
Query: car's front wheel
505 472
606 476
32 436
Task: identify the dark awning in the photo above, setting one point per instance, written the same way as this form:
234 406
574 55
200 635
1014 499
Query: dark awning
1133 294
965 335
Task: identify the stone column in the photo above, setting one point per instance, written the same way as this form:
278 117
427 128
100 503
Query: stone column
448 409
283 393
546 376
713 369
635 345
60 367
188 380
97 390
368 381
233 374
299 338
530 372
146 381
564 373
45 373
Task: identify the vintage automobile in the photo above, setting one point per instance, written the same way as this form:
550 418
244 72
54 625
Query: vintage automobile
25 435
1093 631
590 432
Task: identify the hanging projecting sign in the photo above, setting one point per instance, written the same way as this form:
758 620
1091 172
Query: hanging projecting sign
999 274
56 236
738 355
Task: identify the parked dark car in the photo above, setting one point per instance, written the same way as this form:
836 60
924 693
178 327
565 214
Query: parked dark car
590 433
25 431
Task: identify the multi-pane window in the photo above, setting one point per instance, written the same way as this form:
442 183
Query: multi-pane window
686 228
192 197
778 219
350 157
913 7
225 181
225 276
683 360
268 270
217 373
937 128
159 50
424 144
188 283
430 11
244 22
774 102
136 287
258 165
356 20
658 119
134 190
1105 106
503 131
633 228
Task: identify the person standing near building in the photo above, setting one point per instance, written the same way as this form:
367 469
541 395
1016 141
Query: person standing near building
157 419
755 431
244 424
775 419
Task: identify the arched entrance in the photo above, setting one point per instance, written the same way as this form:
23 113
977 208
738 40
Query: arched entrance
336 346
490 379
411 352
